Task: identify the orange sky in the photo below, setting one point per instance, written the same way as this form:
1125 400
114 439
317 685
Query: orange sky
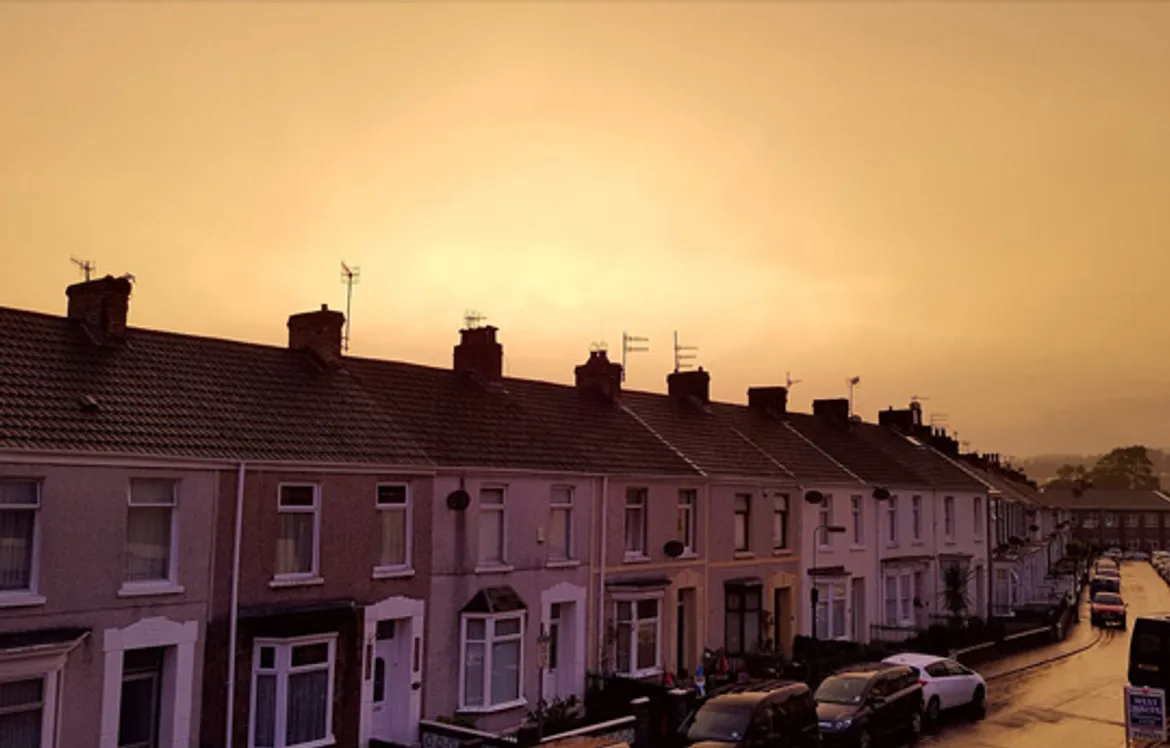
965 202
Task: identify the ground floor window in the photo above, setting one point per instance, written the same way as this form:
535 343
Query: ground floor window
292 692
899 598
138 716
637 632
831 611
22 712
492 661
742 617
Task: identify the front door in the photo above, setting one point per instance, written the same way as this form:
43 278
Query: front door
142 678
394 677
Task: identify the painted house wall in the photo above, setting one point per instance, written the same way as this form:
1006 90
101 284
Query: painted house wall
349 547
968 541
858 559
538 580
81 555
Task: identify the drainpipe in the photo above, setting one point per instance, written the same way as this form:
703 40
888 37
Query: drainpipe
604 560
233 619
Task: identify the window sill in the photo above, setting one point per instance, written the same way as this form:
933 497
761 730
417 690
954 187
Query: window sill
506 706
687 555
741 555
951 541
635 558
564 563
918 543
20 599
781 551
857 547
393 572
305 581
494 569
147 589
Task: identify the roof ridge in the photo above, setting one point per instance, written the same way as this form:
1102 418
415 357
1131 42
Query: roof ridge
662 439
828 456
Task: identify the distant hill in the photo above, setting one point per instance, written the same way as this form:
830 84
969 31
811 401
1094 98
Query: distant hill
1042 468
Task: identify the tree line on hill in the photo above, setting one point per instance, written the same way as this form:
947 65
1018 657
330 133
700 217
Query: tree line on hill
1135 466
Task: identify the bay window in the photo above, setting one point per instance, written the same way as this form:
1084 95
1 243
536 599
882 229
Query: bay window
492 660
22 712
742 606
831 611
292 692
637 631
899 598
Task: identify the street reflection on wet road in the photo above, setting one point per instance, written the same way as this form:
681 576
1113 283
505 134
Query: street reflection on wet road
1071 703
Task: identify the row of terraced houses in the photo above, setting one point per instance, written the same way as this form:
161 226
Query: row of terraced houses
208 543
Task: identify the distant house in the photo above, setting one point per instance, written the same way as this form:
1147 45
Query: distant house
1101 518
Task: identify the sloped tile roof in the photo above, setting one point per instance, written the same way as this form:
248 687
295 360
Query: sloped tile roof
932 467
795 454
706 440
514 423
860 456
180 395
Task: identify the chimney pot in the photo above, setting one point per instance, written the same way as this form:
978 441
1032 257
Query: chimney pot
102 306
319 332
695 384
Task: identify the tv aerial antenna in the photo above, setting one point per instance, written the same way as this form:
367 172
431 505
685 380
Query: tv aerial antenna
852 382
789 381
86 266
350 277
472 319
683 354
632 344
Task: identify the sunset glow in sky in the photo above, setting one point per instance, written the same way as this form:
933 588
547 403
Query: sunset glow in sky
969 203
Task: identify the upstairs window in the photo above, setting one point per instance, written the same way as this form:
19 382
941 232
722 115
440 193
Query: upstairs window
780 522
635 519
492 527
687 501
297 543
743 522
394 519
560 521
20 503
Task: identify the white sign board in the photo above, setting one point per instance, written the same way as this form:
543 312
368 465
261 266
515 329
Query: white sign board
1145 713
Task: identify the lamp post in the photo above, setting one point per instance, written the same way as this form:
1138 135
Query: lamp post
814 593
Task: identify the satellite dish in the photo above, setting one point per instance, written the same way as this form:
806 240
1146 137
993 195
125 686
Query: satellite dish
673 548
814 497
881 493
458 500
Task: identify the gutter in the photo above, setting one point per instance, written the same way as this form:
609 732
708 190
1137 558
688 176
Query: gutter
233 619
604 519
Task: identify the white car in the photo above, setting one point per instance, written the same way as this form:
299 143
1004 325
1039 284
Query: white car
946 684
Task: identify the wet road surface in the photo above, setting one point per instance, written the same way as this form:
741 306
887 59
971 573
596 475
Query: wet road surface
1071 703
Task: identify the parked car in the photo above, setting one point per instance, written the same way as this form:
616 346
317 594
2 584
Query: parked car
778 713
865 703
1109 574
1149 652
1114 553
1135 556
1104 584
1104 563
1107 608
946 684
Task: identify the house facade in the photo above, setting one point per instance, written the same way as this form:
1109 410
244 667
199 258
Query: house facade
1130 519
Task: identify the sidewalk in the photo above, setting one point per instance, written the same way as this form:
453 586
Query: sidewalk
1079 636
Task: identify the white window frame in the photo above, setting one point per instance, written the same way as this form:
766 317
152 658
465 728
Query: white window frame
282 670
632 601
780 506
892 517
637 500
29 595
977 513
824 538
1110 519
1150 520
949 517
490 639
1132 520
50 676
827 597
688 514
169 583
566 507
314 572
502 510
382 571
858 507
746 514
916 518
904 585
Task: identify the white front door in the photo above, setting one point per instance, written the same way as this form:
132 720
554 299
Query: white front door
396 674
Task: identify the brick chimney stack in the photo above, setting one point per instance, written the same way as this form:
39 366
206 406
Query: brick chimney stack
319 332
687 385
768 399
600 375
479 354
835 410
102 306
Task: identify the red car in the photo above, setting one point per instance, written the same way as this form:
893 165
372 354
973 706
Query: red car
1107 609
